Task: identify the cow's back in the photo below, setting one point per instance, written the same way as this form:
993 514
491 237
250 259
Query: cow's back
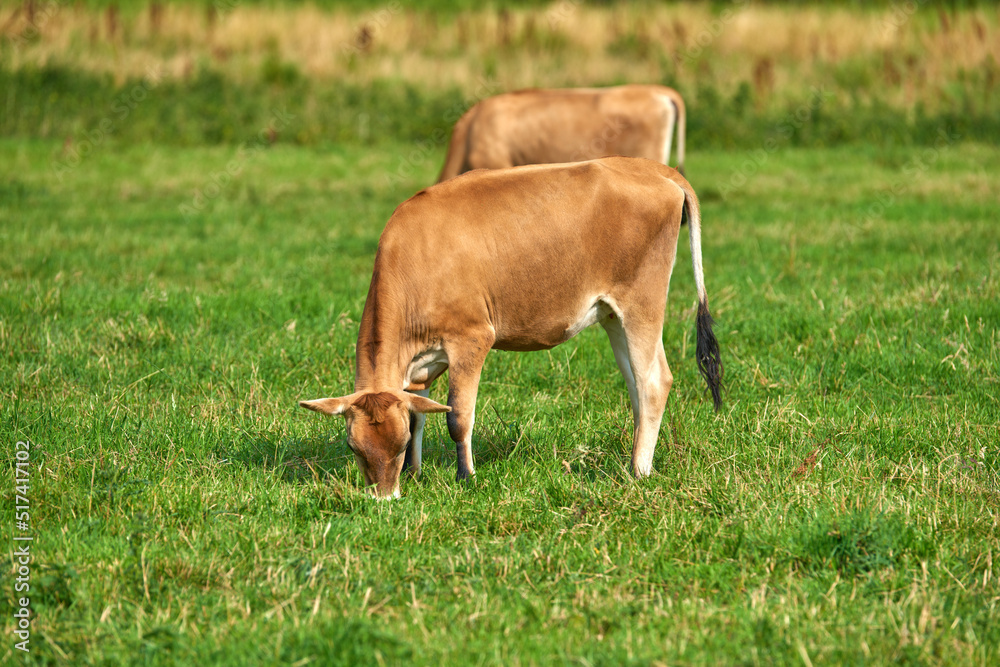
508 245
551 126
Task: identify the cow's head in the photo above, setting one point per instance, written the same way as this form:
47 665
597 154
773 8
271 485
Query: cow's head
378 429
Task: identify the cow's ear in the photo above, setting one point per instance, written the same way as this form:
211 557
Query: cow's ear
329 406
425 405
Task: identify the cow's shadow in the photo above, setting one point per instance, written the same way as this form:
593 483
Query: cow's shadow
324 458
293 459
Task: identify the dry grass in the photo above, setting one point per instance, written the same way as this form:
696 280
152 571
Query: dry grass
778 49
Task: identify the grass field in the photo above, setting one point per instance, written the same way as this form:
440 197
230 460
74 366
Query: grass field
174 279
888 73
842 507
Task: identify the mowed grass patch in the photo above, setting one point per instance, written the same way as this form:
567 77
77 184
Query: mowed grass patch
841 506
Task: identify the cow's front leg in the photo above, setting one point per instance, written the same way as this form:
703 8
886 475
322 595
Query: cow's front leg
465 365
414 449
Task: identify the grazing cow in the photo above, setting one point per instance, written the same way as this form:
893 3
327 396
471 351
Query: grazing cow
518 259
547 126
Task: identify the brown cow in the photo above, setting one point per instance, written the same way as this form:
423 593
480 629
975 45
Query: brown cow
518 259
547 126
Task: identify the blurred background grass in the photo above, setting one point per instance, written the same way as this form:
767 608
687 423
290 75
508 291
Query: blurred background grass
215 72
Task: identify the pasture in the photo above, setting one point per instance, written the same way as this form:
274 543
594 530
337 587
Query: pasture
842 504
166 301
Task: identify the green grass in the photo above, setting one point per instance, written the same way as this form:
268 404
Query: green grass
841 508
86 110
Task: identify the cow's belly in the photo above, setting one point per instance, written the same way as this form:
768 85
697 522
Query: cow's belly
548 329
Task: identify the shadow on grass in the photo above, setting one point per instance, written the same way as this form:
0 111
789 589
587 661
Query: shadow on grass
500 448
294 459
853 543
587 456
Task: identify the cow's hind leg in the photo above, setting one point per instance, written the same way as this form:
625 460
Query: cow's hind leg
465 365
619 345
638 348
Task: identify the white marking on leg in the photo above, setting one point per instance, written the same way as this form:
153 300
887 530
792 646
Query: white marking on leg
619 345
654 373
418 432
395 495
423 368
466 468
654 386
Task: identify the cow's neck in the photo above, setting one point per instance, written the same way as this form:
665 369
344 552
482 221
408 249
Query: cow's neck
385 343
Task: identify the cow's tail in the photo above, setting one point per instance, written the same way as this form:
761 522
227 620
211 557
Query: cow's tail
454 163
678 103
707 348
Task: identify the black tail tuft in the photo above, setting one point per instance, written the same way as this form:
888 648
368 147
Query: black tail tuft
709 362
684 210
